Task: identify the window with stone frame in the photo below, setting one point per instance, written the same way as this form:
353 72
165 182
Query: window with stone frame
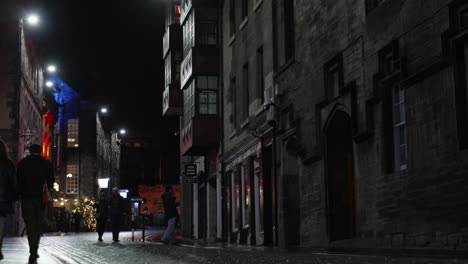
394 110
372 4
73 133
289 36
334 79
245 9
460 13
233 94
260 75
399 128
71 186
232 17
207 90
246 93
463 17
285 32
207 33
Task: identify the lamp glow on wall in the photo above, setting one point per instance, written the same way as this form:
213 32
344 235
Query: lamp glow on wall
103 183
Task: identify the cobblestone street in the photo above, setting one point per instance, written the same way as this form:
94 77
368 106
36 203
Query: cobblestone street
85 249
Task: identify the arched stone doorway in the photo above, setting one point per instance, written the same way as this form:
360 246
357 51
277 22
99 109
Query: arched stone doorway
340 177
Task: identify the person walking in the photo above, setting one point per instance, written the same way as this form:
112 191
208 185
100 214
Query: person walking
7 187
102 213
116 207
34 174
170 210
77 216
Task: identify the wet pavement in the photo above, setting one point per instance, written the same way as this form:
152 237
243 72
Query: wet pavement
84 248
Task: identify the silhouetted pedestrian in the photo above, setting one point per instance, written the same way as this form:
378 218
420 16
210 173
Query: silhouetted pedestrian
170 210
77 216
7 187
35 174
116 207
102 213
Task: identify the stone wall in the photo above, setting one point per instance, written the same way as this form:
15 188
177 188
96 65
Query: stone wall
422 207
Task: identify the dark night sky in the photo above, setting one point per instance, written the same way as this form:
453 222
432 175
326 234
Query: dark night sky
109 50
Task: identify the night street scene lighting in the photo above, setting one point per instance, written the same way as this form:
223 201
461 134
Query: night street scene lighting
250 131
51 68
32 19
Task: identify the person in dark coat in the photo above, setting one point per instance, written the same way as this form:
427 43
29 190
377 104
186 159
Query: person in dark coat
170 209
77 216
7 187
34 174
116 208
102 213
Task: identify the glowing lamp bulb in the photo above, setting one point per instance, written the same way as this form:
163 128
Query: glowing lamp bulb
33 20
51 68
49 84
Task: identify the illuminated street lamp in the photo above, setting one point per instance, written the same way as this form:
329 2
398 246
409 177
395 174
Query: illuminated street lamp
123 131
32 19
104 110
49 84
103 183
51 68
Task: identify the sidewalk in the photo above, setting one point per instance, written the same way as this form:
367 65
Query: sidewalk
338 256
16 250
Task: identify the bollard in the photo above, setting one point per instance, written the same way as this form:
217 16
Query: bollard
143 232
133 227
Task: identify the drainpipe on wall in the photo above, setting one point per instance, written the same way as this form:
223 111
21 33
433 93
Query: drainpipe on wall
223 235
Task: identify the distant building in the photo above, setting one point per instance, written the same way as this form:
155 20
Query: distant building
99 151
85 151
140 161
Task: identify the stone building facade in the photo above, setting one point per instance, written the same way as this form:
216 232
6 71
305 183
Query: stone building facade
99 151
21 84
107 153
354 125
21 91
248 197
371 106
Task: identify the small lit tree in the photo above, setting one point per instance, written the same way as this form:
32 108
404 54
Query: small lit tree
86 208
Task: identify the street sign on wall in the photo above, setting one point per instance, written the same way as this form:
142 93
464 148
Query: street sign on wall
190 170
